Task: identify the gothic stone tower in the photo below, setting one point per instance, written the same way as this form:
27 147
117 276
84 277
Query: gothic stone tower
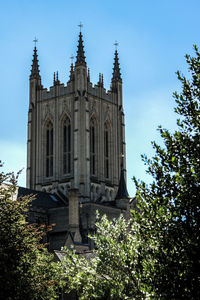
76 133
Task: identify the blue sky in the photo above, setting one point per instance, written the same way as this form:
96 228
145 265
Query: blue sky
153 38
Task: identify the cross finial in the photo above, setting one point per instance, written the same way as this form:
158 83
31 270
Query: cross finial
72 59
35 41
80 25
116 44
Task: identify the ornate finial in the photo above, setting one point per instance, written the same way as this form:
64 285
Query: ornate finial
80 25
80 57
56 81
116 69
72 59
35 41
54 78
100 82
35 72
71 76
116 44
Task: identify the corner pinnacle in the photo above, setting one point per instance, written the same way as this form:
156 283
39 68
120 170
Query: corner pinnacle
116 68
80 57
35 72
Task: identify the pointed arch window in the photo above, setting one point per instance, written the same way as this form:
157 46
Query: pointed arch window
67 146
106 150
93 147
49 149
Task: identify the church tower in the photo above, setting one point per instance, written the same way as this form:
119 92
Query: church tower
76 133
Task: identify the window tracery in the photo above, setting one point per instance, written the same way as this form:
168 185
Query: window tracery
67 146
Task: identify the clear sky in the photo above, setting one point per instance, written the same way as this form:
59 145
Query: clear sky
153 38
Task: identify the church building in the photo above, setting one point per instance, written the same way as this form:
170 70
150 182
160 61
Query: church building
76 152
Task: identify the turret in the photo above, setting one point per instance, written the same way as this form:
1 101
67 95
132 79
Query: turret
35 78
35 85
116 82
81 124
116 89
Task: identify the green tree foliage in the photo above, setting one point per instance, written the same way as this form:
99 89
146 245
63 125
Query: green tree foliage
27 270
175 193
115 270
155 255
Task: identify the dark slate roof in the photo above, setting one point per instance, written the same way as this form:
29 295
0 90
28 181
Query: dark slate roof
122 192
42 199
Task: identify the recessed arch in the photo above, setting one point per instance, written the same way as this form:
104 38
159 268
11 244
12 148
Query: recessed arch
48 119
48 134
65 114
107 149
66 138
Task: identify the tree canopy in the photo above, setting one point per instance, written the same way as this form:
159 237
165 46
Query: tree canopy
27 270
155 254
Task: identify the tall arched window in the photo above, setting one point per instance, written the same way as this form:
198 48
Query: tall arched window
106 150
67 146
49 149
93 147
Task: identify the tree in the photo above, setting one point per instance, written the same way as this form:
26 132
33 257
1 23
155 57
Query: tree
27 270
155 255
117 269
175 193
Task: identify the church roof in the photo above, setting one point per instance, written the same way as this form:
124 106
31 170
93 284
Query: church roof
41 199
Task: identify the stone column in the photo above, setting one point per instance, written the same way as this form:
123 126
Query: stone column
74 214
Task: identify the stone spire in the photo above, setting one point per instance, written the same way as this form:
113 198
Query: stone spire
116 69
80 57
35 72
122 192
